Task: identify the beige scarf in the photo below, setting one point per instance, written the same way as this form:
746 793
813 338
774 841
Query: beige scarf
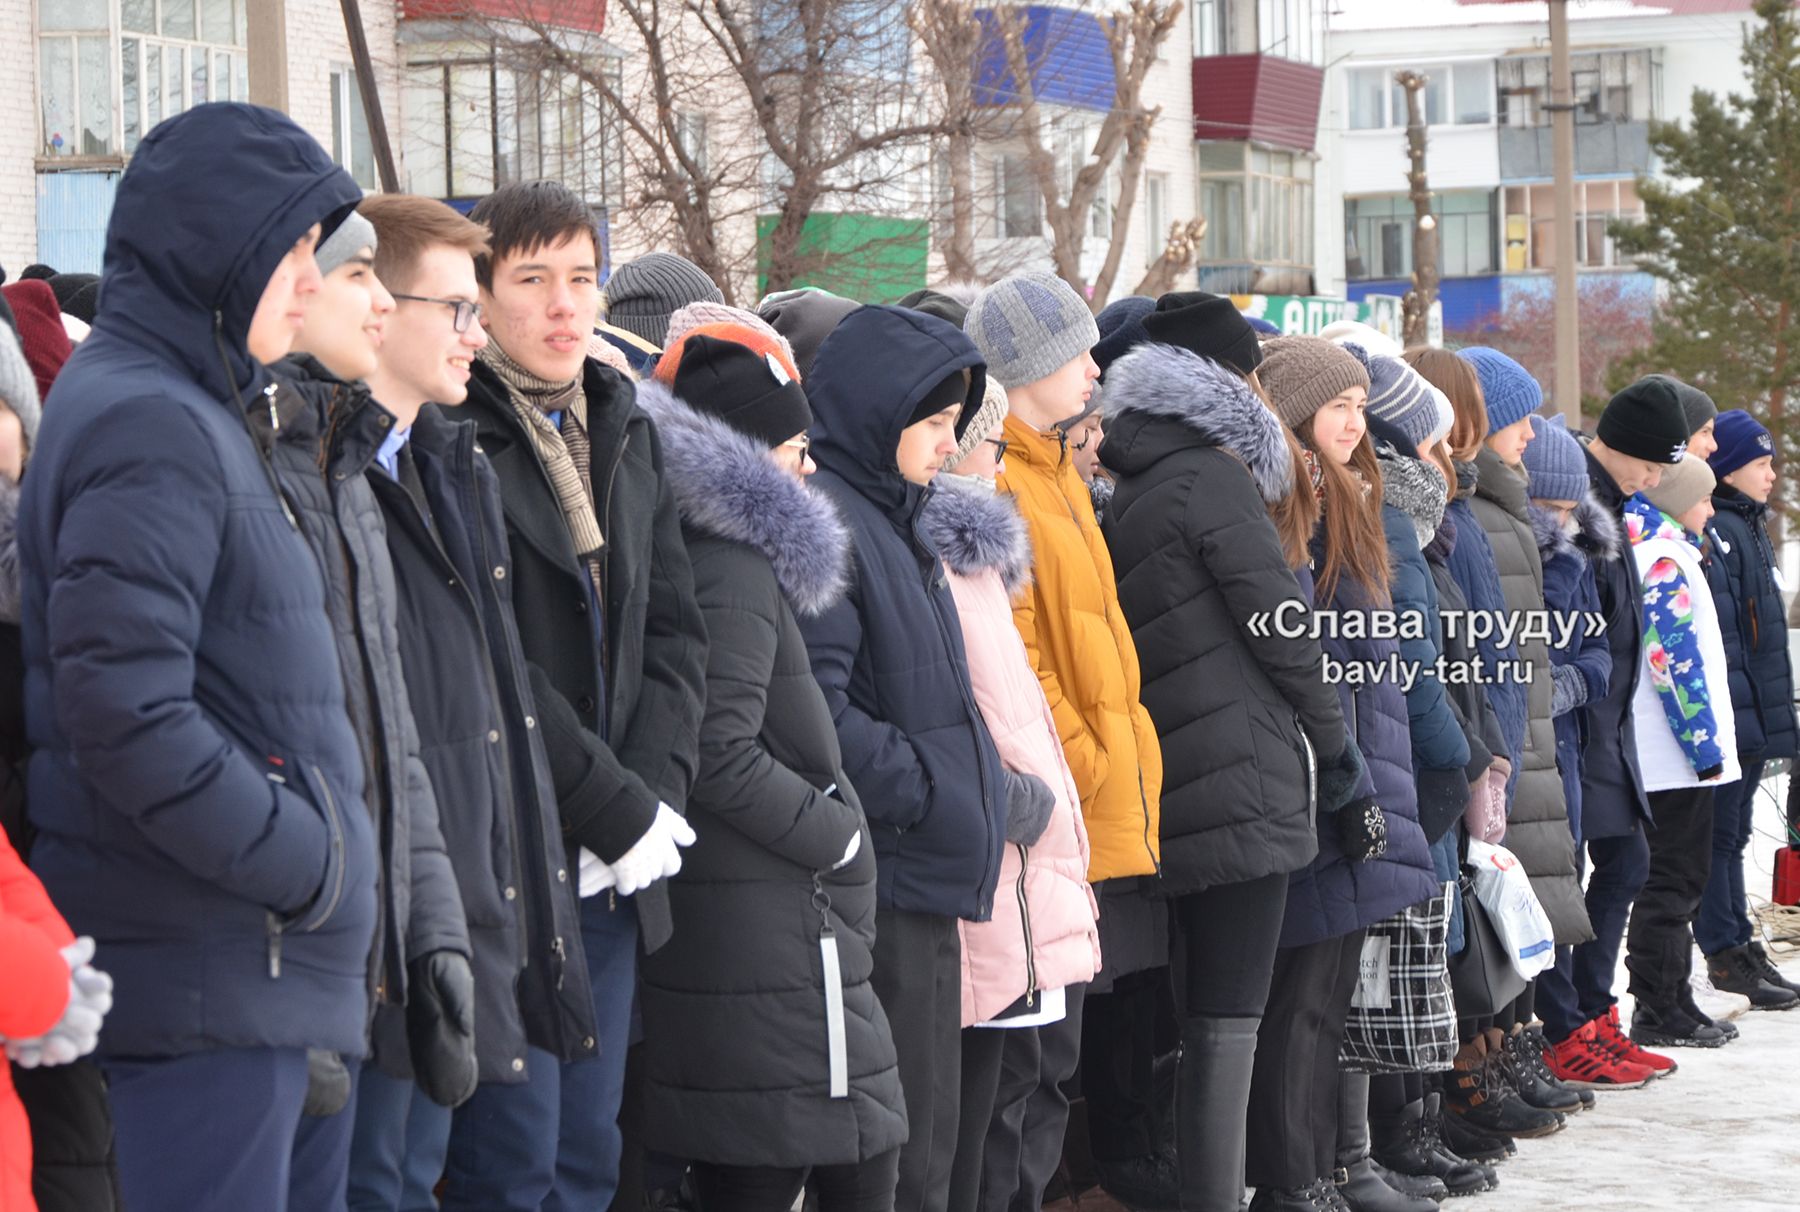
565 452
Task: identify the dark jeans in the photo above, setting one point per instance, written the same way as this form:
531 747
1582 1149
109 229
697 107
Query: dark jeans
1294 1090
321 1171
209 1131
1621 865
1224 958
1031 1111
397 1154
983 1050
864 1187
917 976
1659 951
1724 919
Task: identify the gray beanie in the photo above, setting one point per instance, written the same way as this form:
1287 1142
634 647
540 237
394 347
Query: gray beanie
353 235
1304 374
18 388
1683 485
1029 326
641 295
805 317
990 414
1555 466
1402 398
698 315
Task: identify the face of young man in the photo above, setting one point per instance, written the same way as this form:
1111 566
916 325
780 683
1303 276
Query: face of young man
1510 443
925 445
542 306
281 312
346 319
423 358
1755 479
1703 442
1057 396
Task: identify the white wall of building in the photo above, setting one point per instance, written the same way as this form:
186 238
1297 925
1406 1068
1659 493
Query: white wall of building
18 138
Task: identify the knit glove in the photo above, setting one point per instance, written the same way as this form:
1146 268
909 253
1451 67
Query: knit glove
440 1026
1339 777
1029 802
77 1032
327 1084
1568 689
656 855
1362 830
1485 819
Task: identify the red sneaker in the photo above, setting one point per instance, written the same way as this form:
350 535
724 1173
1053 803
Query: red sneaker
1613 1035
1584 1061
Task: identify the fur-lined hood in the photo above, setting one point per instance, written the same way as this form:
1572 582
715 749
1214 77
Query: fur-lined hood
1165 381
976 531
1593 532
9 551
727 486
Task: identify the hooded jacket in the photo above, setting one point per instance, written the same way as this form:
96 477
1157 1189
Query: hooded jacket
1613 802
1244 720
1082 650
889 655
612 761
195 780
481 744
1753 625
1043 934
1468 699
1569 591
322 434
1471 563
1537 821
736 1018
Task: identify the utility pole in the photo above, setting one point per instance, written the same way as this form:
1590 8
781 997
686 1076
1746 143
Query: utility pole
1568 299
371 97
1415 309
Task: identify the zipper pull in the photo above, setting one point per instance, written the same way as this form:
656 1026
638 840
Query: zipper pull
562 961
274 413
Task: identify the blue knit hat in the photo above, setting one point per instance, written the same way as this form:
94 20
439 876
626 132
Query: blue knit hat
1399 396
1508 389
1121 325
1742 439
1555 467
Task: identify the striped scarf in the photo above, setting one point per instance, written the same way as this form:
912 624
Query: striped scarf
565 452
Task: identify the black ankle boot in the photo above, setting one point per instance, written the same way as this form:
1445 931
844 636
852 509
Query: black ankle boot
1726 1027
1320 1195
1523 1062
1463 1139
1409 1144
1477 1093
1744 971
1672 1027
1769 971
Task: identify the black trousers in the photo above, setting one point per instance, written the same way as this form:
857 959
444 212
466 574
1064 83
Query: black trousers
1659 946
867 1186
1294 1091
918 974
1122 1034
1224 957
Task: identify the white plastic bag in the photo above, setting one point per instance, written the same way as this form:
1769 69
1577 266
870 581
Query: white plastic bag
1520 921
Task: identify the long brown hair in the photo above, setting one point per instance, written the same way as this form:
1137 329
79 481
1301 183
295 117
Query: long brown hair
1355 540
1454 377
1295 515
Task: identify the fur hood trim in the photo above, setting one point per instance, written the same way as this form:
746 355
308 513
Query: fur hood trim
1594 534
1166 381
976 532
727 486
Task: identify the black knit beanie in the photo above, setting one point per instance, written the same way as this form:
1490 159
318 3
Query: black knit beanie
1647 421
1209 325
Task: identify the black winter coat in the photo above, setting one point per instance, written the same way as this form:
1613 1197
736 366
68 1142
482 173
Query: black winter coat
736 1027
322 435
1613 802
889 656
1754 627
480 742
1242 719
195 780
612 766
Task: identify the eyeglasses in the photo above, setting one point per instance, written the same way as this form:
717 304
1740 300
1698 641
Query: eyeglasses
466 312
801 443
999 445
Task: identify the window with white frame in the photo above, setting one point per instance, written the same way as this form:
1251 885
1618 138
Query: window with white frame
1455 94
1291 29
1609 86
1019 213
1156 215
351 145
110 70
1074 148
1378 235
1258 204
1530 230
690 135
1209 28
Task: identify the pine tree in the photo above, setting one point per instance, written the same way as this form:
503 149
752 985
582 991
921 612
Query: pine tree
1722 228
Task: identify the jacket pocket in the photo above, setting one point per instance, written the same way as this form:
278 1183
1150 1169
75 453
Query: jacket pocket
330 895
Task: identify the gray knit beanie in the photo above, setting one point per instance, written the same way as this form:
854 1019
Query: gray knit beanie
990 414
18 389
1303 374
1683 486
805 317
1401 397
698 315
1029 326
353 235
1555 466
641 295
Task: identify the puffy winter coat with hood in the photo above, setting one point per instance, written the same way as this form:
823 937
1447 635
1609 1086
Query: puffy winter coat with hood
1481 727
322 434
1569 555
480 741
736 1031
1537 820
1754 627
889 656
1244 720
1613 802
1471 563
1043 934
195 779
1082 649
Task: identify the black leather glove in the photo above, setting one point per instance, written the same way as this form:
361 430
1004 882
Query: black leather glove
327 1084
1362 830
1339 777
1029 803
440 1026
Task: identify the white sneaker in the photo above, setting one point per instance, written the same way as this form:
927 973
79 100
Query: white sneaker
1714 1003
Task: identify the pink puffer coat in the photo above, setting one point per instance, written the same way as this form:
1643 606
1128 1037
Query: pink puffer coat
1043 933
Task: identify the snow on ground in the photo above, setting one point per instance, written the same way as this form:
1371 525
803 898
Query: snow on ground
1720 1135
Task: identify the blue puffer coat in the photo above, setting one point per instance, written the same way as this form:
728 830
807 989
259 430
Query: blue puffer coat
195 779
1754 627
1478 576
889 655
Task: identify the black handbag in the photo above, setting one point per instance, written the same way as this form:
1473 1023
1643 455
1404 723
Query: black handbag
1482 972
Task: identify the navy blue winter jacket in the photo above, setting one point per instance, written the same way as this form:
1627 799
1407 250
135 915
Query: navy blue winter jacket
1569 589
196 782
1472 564
1753 626
889 656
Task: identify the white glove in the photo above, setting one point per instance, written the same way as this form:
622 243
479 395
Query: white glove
849 851
657 855
77 1033
595 876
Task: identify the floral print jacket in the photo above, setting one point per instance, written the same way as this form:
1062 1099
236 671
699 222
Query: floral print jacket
1671 644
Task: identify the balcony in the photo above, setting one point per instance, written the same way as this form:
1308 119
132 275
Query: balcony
1260 97
1601 149
586 15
